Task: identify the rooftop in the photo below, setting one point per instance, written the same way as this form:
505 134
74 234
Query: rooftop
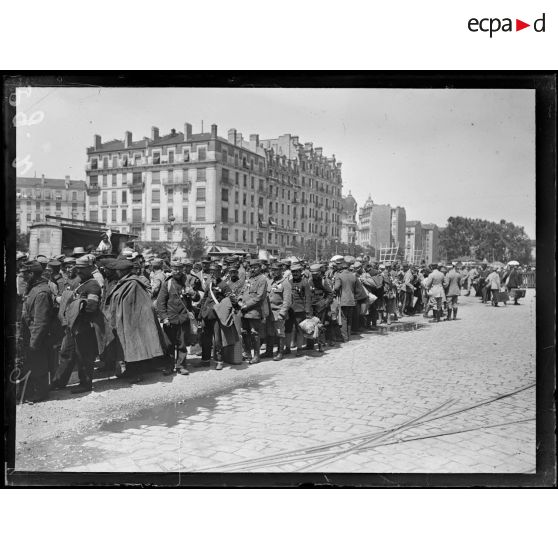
51 183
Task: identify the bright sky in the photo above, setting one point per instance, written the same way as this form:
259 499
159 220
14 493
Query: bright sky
438 153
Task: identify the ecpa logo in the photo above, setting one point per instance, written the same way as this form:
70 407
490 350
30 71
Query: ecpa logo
493 25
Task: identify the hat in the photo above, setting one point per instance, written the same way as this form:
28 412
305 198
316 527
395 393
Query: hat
42 259
214 265
337 258
69 260
296 267
382 266
32 266
156 261
286 261
54 263
349 259
123 265
188 261
78 251
109 263
127 251
314 268
357 265
206 260
84 261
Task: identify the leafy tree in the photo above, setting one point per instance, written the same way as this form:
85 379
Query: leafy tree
479 239
22 241
192 243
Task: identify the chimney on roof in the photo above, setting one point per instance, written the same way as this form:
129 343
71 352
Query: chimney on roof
187 131
127 139
173 132
239 139
295 139
97 141
42 179
308 146
67 181
154 133
213 131
232 136
318 151
254 141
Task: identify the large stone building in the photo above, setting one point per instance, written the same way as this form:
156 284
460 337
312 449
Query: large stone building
348 220
430 242
38 197
413 242
276 194
380 226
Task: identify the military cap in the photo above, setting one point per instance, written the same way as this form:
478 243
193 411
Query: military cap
42 259
314 268
349 259
337 258
84 261
78 251
69 260
110 263
206 260
342 264
126 252
32 266
214 265
123 265
357 265
382 266
54 263
296 267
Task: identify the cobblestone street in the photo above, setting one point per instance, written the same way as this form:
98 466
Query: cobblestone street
455 397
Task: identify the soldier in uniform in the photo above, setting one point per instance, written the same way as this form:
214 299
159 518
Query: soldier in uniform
174 306
251 302
452 285
434 285
345 287
80 309
215 291
37 314
302 304
322 297
280 300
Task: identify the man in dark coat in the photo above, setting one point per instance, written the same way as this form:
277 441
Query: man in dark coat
322 296
86 331
252 298
174 306
139 336
302 303
514 281
345 287
216 290
36 318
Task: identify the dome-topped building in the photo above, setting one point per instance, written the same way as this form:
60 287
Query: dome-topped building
348 219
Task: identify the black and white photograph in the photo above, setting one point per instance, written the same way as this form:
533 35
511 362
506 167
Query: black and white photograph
274 279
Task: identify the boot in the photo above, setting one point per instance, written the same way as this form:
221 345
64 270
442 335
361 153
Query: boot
288 341
455 313
255 338
449 315
280 350
438 314
268 348
219 365
246 346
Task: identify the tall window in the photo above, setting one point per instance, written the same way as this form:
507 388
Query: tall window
236 179
171 156
170 211
156 177
124 178
136 196
124 196
136 178
155 234
113 215
185 214
245 180
200 213
186 155
124 215
200 194
236 215
200 175
225 176
224 234
224 215
136 216
113 197
93 215
225 194
156 158
94 164
170 177
202 153
103 199
156 195
155 214
114 162
105 162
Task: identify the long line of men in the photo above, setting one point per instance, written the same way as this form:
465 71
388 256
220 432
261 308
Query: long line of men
124 310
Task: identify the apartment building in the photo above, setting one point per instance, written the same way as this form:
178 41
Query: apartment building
348 220
38 197
275 194
430 242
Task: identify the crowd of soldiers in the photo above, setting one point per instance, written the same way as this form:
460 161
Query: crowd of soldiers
90 309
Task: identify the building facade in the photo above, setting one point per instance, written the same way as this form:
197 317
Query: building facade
273 194
430 242
348 220
38 197
398 227
413 242
375 225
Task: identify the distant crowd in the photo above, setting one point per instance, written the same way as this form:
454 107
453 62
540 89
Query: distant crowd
92 309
